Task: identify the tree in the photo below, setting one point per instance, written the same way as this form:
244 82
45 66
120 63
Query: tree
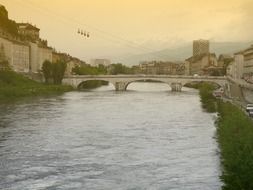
47 70
119 68
55 71
89 70
58 71
6 24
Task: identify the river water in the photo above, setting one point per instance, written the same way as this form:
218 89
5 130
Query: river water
146 138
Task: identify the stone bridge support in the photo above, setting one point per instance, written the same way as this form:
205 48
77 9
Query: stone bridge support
120 86
176 87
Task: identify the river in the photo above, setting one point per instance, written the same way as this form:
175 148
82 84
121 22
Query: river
146 138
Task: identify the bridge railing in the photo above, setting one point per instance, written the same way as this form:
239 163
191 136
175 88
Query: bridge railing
147 76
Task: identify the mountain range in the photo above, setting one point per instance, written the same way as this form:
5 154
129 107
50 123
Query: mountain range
181 53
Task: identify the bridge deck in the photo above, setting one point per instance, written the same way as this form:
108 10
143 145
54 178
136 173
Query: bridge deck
148 76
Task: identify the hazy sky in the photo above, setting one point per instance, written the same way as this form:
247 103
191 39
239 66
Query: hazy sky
133 26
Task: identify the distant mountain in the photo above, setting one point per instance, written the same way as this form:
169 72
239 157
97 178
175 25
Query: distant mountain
182 53
229 47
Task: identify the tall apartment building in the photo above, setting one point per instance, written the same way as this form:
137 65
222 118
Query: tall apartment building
200 47
248 63
239 61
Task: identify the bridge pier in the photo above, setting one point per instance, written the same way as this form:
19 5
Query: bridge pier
120 86
176 87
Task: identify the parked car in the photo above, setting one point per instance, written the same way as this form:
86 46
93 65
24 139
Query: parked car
249 107
218 93
251 113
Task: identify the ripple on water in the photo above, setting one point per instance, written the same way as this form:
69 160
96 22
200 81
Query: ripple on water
146 138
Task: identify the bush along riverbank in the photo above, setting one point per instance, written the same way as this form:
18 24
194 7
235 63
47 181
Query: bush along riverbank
14 86
235 138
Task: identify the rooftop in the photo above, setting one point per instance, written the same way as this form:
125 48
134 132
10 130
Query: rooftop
225 56
248 50
199 57
28 26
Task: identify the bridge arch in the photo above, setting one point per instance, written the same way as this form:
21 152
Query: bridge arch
121 82
145 80
93 83
174 85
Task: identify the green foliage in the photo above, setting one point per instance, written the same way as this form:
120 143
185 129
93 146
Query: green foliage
58 71
120 69
235 136
114 69
13 85
47 70
55 71
89 70
8 25
209 102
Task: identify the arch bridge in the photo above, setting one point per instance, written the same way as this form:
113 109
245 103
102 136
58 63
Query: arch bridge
121 82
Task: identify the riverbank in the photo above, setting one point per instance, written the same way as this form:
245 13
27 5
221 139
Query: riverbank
14 86
235 138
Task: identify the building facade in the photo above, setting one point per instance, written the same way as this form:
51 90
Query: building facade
200 47
248 64
17 54
72 64
22 49
162 68
204 64
38 55
29 32
23 56
239 65
20 57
